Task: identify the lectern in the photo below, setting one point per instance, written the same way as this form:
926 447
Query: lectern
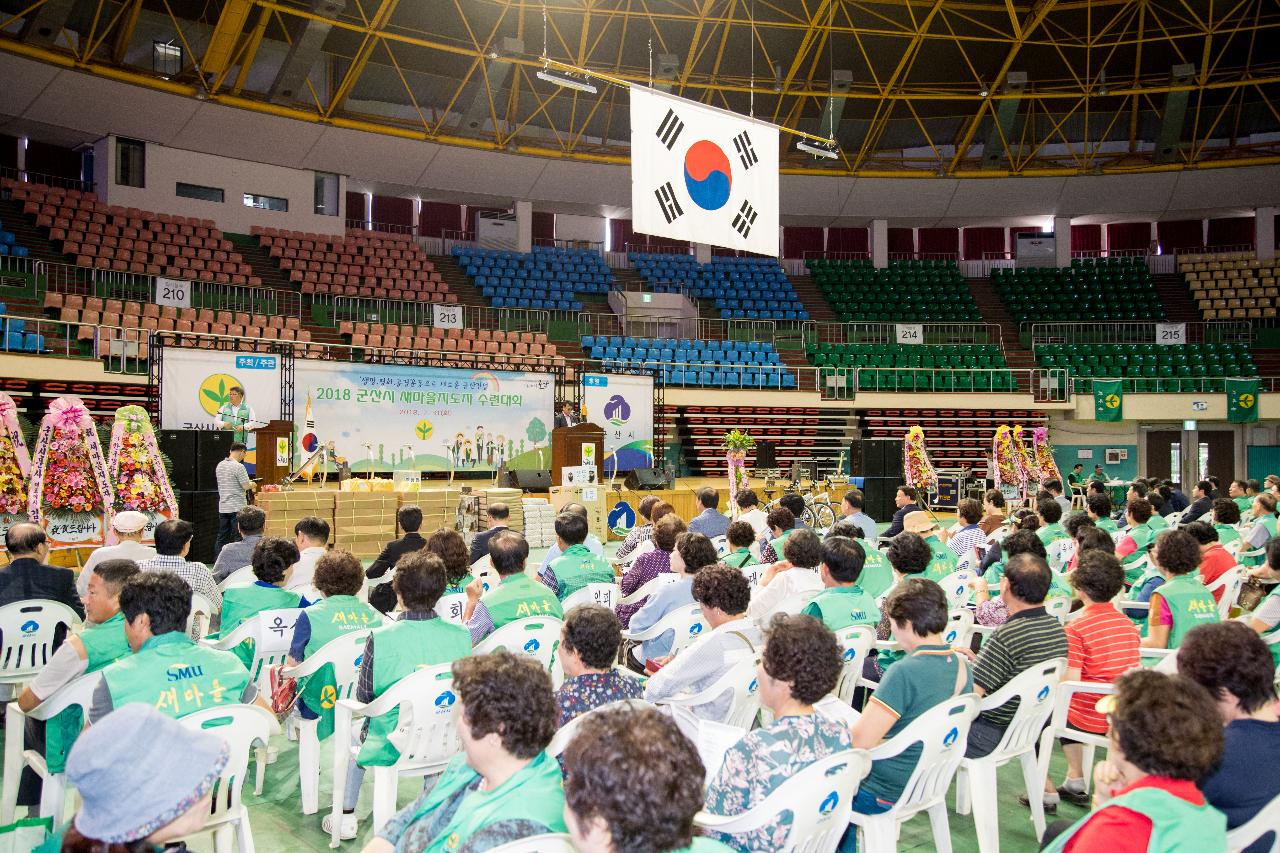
566 449
274 452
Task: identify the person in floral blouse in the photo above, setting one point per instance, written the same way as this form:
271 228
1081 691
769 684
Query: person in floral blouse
650 564
800 665
588 648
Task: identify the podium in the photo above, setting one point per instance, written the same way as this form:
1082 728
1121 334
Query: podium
273 460
566 449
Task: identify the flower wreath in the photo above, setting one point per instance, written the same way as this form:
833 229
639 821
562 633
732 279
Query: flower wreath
67 468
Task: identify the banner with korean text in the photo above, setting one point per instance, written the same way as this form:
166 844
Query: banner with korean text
397 417
621 405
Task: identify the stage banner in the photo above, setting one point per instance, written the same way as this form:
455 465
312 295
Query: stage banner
386 417
195 384
703 174
623 407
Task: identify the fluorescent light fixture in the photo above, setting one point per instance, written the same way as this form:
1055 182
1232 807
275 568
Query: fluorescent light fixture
569 81
819 148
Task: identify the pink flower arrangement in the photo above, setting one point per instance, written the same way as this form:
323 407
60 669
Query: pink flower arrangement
69 482
13 485
136 488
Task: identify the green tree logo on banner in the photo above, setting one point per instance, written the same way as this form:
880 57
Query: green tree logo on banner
536 431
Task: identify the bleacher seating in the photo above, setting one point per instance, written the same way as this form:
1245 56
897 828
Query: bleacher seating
9 244
958 438
381 266
1090 290
740 288
912 291
729 364
1231 285
900 367
15 337
547 278
799 434
529 349
129 240
1154 367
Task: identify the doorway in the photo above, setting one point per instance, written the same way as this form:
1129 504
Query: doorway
1164 448
1217 455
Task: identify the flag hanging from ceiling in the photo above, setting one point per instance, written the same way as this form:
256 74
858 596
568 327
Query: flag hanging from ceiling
703 174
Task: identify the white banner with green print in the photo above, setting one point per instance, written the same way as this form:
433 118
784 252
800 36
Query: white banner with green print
196 383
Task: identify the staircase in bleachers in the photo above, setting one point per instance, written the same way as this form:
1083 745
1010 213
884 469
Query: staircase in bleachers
1179 307
263 265
1017 356
957 438
800 434
812 299
458 282
39 247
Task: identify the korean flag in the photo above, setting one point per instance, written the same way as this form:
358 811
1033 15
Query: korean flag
703 174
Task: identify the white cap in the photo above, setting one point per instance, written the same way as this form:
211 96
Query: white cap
129 521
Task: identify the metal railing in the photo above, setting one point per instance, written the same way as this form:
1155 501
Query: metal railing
1110 253
596 246
27 176
924 256
1208 332
809 254
120 349
692 328
366 309
658 249
138 287
961 334
1046 385
764 377
647 286
1215 250
379 227
1169 384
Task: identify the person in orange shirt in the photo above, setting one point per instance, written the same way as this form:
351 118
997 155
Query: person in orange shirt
1215 561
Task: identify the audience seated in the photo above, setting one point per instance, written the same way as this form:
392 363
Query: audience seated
724 595
877 574
1266 616
800 665
693 552
28 577
633 782
593 543
909 556
710 522
503 786
749 511
272 562
311 535
792 581
577 565
1165 735
1098 507
144 781
173 543
419 639
641 532
129 527
842 603
515 596
852 509
1262 529
497 514
992 612
250 522
588 651
156 606
925 525
906 500
969 540
102 642
643 543
1050 512
930 672
1215 561
1226 517
1179 602
650 564
1137 539
738 538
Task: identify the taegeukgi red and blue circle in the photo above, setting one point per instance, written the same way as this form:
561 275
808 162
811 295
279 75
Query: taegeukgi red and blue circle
707 175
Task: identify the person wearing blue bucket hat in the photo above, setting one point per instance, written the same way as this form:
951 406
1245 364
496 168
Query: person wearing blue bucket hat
145 780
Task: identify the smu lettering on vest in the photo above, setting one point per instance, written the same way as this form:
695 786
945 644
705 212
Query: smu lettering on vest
844 606
578 567
944 562
176 677
103 644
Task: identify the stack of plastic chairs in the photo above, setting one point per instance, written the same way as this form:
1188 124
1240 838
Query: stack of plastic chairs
546 278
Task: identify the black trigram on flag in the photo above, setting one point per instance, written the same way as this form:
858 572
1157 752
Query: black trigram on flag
668 203
670 129
744 219
746 153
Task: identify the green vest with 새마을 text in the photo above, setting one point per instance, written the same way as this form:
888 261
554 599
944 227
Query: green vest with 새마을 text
331 618
103 644
576 568
1190 603
944 560
877 574
399 649
244 602
520 597
174 675
843 606
1177 826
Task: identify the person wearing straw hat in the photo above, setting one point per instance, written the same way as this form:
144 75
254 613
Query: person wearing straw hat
925 526
145 780
129 527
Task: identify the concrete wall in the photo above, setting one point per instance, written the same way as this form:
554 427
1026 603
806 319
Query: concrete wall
166 167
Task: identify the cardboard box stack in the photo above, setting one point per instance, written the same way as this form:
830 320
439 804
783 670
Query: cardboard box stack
593 498
539 522
510 497
285 509
364 522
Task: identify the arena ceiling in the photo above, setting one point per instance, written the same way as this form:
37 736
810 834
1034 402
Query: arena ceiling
922 87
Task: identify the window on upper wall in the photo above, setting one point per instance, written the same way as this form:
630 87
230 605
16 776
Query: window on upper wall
131 162
266 202
326 194
166 58
197 191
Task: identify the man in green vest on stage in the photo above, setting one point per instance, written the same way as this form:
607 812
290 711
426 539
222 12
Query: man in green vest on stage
102 642
576 566
419 640
944 560
167 669
843 603
517 596
237 416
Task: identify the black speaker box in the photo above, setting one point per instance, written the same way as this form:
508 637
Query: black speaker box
531 480
878 494
643 479
201 509
882 457
766 454
212 446
180 446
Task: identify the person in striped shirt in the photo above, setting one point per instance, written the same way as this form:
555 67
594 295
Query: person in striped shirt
1101 644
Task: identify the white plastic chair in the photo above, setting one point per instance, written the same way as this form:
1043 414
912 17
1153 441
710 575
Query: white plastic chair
344 653
740 679
566 733
956 586
451 607
602 594
686 624
1230 582
27 633
536 636
1058 729
856 643
1266 820
1060 552
17 756
201 615
244 728
271 632
426 736
960 628
552 842
942 733
1033 688
650 587
722 545
818 798
1058 607
240 577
